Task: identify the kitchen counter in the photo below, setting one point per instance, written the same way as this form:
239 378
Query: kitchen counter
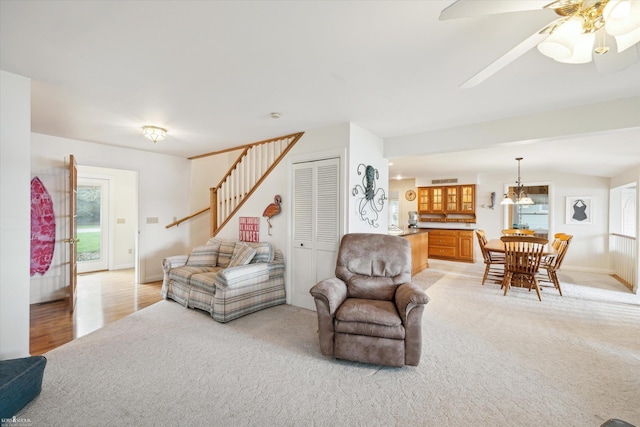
447 226
408 232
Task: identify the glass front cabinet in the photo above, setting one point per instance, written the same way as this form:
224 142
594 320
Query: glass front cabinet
452 203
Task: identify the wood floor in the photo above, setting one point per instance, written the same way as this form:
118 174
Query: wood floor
103 298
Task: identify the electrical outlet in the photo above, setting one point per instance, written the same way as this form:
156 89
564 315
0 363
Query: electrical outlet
130 251
152 220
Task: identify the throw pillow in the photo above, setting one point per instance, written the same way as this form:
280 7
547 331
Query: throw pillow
226 250
204 256
264 252
242 255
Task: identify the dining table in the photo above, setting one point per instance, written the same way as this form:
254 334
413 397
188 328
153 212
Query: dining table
497 245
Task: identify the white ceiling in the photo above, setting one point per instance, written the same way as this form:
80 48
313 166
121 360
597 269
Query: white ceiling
211 72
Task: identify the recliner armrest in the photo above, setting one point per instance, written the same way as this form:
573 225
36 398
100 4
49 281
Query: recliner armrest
333 291
407 297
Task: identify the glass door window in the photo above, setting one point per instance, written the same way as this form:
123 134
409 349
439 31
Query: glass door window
92 253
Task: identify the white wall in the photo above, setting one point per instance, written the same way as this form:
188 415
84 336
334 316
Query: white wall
15 214
365 149
628 177
163 183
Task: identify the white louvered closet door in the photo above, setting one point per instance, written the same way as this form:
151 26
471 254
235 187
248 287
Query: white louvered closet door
316 226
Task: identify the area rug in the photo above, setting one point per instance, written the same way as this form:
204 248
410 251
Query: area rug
487 360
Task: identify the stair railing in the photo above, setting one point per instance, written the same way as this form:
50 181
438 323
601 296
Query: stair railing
251 168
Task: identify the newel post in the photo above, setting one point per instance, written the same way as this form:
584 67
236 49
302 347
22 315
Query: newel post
213 200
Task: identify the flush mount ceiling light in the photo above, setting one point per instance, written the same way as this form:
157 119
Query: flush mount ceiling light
519 196
154 133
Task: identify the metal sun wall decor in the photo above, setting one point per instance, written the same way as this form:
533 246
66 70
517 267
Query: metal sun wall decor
272 210
372 199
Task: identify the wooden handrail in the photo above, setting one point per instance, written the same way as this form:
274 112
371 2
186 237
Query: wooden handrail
233 166
186 218
624 236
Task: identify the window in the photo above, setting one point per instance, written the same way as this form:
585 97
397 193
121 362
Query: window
532 217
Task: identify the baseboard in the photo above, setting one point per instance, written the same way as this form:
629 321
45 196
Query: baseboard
148 279
60 294
586 270
123 266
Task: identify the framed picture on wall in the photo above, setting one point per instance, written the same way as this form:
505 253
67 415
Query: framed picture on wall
579 210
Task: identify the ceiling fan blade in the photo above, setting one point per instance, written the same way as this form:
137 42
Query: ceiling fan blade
505 60
614 61
474 8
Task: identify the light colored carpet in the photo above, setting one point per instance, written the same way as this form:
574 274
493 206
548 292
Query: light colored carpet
488 360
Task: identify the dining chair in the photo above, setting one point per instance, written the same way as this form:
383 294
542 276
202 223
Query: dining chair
494 262
523 255
551 264
518 231
557 240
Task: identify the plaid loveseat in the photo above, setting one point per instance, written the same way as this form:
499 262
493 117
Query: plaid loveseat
226 278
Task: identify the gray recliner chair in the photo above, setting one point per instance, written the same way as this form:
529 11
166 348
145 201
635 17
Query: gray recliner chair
371 312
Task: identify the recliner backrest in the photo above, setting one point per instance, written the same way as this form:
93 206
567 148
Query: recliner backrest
373 265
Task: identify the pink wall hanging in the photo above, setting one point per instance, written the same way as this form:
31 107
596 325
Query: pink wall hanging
43 228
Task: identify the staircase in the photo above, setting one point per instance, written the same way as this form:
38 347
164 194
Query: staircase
253 165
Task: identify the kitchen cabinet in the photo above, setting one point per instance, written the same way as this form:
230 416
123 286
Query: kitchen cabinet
431 199
451 203
456 245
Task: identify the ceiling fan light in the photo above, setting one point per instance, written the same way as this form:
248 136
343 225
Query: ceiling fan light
582 51
560 44
554 50
621 16
625 41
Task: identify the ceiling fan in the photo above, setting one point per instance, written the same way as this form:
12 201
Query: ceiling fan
605 31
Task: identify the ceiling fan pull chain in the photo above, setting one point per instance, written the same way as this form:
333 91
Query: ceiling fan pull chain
602 48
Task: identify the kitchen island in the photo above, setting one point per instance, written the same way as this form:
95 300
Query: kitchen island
419 240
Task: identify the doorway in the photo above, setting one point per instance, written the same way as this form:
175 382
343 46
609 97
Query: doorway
531 216
107 219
